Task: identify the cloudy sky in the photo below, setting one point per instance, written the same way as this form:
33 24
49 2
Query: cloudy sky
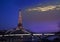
38 15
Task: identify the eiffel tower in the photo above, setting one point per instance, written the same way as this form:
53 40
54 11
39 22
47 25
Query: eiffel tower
19 21
20 25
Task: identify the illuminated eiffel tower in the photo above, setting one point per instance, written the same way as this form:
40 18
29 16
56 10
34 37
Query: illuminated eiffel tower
20 25
19 21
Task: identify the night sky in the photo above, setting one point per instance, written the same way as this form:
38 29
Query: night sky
36 19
